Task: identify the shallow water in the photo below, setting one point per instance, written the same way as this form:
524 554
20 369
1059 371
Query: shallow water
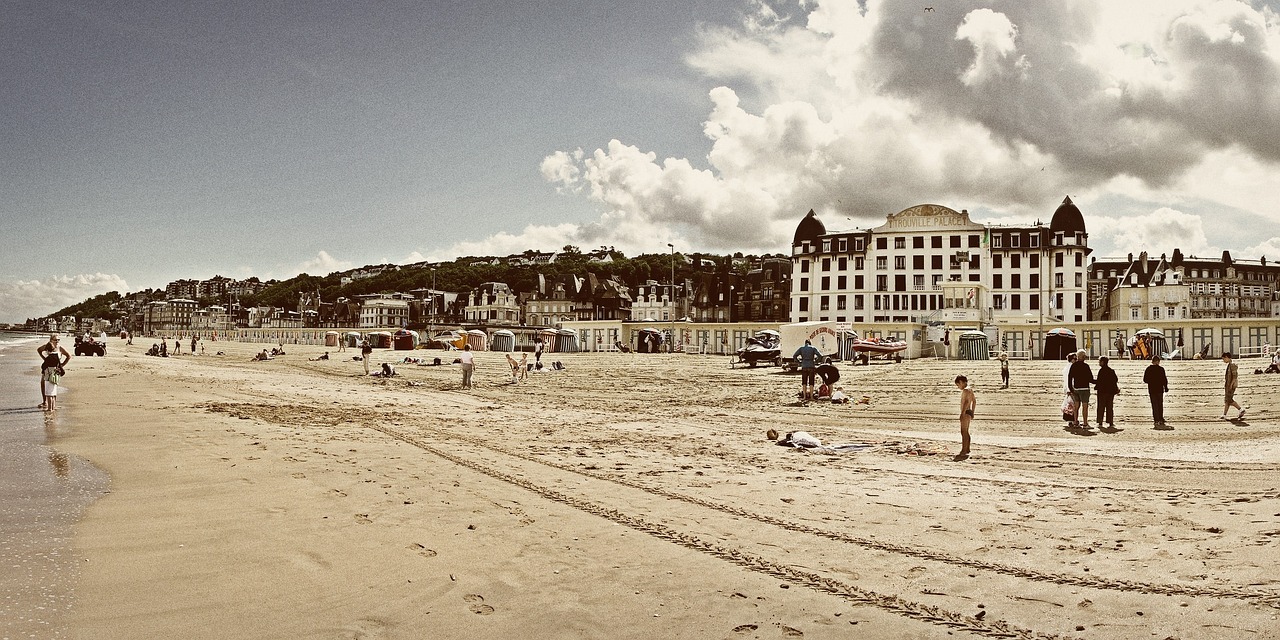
43 493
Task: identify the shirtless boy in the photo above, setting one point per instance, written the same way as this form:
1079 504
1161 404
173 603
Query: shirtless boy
968 402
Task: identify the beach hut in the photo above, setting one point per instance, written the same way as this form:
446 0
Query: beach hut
1150 343
478 340
648 340
379 339
973 346
352 338
566 341
1059 343
331 338
503 340
405 340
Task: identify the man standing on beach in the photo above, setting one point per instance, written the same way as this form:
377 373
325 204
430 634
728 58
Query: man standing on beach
807 357
968 402
366 350
1079 378
1157 385
468 360
1233 377
1107 386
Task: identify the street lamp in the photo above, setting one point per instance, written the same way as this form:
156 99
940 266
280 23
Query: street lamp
431 308
672 345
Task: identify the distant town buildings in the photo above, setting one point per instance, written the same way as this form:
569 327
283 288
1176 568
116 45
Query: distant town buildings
1146 288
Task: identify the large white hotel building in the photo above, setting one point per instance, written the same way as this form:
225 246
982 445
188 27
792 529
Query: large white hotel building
929 259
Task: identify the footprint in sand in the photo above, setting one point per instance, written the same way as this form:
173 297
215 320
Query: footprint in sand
745 628
363 518
478 606
423 551
788 632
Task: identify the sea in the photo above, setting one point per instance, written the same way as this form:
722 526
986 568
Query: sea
43 493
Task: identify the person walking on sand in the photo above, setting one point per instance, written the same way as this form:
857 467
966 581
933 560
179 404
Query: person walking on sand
366 350
807 358
1233 377
1004 369
50 348
468 360
1079 378
1107 386
1157 385
538 347
968 402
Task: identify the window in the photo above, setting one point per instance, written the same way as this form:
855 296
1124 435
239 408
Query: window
1057 280
857 303
1033 281
804 304
844 245
804 266
975 261
917 262
826 246
900 262
857 244
1033 301
1133 314
1015 261
1079 258
1079 301
842 282
1057 259
997 281
1079 281
997 261
1015 281
824 303
917 283
858 282
1034 260
1013 240
955 242
804 284
937 281
975 241
1015 302
936 262
842 263
882 283
935 242
840 303
917 242
997 241
1034 241
882 243
826 283
826 264
997 302
859 263
899 243
1057 300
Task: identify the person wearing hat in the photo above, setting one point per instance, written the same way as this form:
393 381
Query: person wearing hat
1004 369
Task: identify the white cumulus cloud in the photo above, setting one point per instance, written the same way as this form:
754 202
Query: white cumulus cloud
323 264
22 299
1158 232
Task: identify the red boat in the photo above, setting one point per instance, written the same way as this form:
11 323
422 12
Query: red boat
878 345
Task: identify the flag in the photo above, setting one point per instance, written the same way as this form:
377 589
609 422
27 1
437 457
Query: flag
986 238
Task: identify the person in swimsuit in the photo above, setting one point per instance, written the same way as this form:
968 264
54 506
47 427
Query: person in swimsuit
52 360
968 402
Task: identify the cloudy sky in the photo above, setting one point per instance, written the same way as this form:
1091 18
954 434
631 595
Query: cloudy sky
143 142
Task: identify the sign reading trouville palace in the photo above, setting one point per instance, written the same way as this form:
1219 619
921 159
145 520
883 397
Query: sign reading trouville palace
928 216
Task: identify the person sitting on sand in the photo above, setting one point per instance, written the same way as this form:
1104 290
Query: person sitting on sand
263 355
323 357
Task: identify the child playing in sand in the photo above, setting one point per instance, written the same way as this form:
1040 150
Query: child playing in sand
968 402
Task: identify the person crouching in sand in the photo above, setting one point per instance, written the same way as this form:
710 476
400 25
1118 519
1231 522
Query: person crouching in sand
968 402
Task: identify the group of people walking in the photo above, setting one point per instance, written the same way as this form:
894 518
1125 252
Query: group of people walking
1077 378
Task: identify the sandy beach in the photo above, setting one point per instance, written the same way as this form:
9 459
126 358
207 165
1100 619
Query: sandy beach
635 496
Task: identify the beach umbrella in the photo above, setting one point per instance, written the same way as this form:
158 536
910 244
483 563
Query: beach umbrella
1149 332
1061 331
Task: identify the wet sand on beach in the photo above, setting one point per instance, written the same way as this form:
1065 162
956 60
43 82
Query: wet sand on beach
635 496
